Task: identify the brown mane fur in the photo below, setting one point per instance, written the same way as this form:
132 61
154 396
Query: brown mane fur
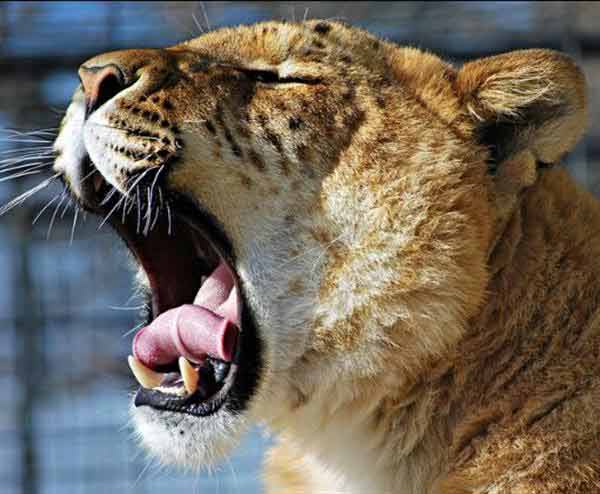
513 406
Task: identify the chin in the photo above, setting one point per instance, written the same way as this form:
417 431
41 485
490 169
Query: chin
188 442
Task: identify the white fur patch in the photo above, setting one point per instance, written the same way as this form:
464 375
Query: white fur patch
185 440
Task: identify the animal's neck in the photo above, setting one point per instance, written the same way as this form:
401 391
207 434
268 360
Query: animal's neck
542 290
548 251
543 298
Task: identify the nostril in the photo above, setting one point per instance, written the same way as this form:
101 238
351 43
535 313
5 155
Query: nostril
100 84
110 86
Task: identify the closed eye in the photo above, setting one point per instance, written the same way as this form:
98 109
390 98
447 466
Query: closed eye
272 77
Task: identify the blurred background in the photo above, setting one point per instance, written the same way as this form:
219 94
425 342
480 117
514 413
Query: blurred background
66 304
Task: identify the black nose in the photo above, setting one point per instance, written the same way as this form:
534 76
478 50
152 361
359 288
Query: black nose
100 84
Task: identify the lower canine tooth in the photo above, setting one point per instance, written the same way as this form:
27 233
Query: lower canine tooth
146 377
189 374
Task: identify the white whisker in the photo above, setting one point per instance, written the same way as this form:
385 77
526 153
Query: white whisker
137 181
120 201
21 174
25 156
30 166
67 205
154 182
108 196
62 198
142 473
155 218
139 210
115 207
19 140
132 330
124 213
169 219
51 130
75 216
160 198
57 111
144 158
8 166
34 137
46 144
46 148
148 215
135 307
16 153
202 6
48 204
27 194
95 170
132 205
198 25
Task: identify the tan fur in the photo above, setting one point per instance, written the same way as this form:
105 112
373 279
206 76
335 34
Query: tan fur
430 326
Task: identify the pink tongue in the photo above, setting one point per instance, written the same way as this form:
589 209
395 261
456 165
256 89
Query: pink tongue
208 327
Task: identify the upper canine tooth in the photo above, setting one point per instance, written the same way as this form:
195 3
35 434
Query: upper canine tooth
146 377
189 374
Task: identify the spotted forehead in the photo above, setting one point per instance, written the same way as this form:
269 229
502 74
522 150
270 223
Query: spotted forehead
276 42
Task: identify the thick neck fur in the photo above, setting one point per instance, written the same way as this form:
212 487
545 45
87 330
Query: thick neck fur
389 435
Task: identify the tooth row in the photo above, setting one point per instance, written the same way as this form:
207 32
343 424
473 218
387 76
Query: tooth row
150 379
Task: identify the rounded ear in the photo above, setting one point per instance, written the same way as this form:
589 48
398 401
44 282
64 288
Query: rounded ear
526 100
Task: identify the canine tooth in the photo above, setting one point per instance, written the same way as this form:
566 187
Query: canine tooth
146 377
189 374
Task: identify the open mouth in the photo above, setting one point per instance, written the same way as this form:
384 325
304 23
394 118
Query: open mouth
192 356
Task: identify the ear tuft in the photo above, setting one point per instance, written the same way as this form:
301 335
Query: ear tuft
525 100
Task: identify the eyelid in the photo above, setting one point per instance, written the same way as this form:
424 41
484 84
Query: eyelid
261 75
272 77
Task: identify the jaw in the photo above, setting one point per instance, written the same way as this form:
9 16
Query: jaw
177 249
173 274
197 429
